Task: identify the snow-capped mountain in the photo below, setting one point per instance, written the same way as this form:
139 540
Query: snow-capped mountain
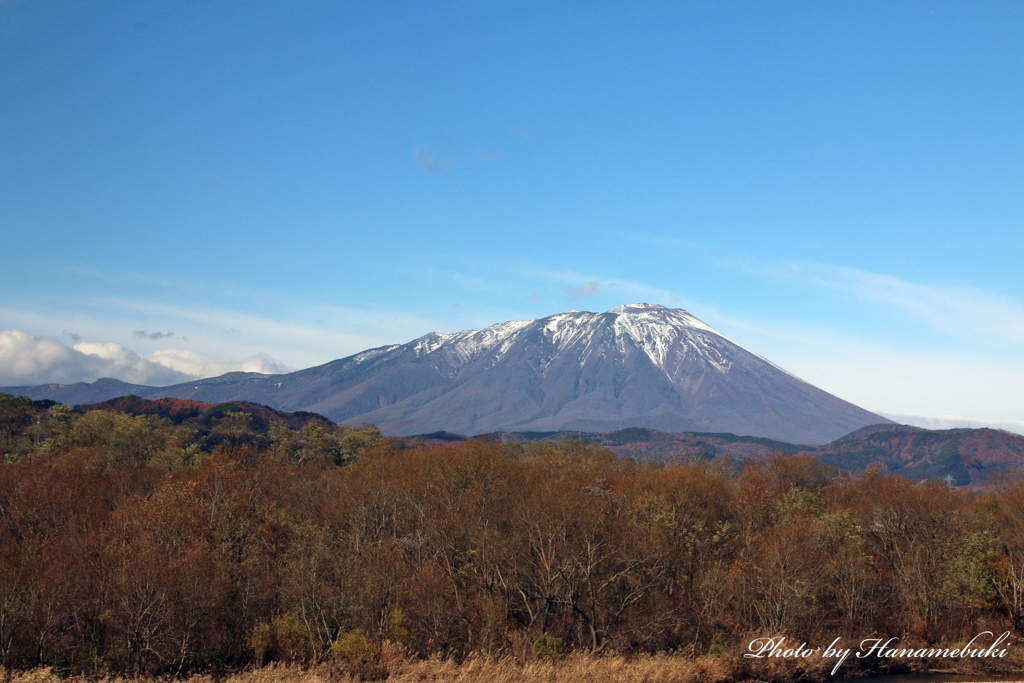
639 365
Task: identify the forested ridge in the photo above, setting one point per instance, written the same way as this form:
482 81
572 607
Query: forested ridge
142 544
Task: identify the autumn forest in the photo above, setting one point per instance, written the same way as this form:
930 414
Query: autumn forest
175 543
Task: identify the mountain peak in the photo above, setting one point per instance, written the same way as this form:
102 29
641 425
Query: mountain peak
636 308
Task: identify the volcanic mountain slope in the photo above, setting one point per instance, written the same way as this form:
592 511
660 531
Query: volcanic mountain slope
634 366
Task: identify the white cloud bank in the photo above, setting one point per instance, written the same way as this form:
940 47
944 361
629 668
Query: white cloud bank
195 366
29 360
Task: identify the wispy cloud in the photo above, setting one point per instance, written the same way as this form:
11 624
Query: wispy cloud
519 131
887 379
508 279
826 149
615 289
434 164
574 293
345 331
469 282
296 338
954 311
143 334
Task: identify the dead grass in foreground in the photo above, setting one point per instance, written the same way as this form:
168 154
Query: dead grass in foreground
571 669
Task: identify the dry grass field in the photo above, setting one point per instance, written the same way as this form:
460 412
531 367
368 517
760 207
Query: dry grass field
397 668
569 670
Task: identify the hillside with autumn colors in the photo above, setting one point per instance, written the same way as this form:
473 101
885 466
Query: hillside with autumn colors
976 457
967 457
181 410
141 544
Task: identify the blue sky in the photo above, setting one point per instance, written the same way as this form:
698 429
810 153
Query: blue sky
197 187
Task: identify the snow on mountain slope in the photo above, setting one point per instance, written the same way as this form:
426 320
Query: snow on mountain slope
653 329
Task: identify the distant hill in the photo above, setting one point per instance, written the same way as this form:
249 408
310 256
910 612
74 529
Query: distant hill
81 392
641 443
871 430
969 456
974 457
639 365
179 411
